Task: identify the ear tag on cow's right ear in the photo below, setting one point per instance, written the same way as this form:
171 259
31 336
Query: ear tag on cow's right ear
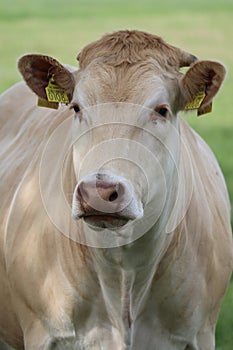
55 93
44 103
196 102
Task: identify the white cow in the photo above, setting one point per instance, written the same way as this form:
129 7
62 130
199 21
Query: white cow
115 218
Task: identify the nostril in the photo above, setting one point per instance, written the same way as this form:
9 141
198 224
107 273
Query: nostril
113 196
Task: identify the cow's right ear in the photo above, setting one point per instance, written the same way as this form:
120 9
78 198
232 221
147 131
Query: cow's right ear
37 70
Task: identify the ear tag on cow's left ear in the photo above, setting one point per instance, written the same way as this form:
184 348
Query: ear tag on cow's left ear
55 93
196 102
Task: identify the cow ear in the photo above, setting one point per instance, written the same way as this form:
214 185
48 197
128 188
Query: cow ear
37 70
200 84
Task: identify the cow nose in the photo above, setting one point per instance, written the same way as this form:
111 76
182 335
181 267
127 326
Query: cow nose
101 193
105 200
107 191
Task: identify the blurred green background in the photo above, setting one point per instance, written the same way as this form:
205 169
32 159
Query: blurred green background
61 28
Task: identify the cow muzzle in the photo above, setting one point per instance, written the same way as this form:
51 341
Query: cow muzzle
105 201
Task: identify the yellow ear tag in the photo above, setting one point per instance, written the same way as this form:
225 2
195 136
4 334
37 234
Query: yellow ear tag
44 103
196 102
55 93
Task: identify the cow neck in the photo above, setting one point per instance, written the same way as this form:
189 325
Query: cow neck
133 267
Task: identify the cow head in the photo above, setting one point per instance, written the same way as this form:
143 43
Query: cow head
125 98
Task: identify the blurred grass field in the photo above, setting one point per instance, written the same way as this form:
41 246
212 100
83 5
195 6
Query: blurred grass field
61 28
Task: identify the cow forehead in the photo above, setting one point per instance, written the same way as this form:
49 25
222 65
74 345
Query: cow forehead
130 47
137 83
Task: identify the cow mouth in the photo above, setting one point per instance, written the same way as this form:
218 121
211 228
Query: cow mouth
105 220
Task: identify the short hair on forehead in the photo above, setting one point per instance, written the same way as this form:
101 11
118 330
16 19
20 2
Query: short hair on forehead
128 47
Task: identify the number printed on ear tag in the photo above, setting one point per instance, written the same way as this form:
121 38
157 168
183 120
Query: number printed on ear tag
55 93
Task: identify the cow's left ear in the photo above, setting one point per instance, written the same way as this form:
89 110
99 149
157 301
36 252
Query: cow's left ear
38 70
200 84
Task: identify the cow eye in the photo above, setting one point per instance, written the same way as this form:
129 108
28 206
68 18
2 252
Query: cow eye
76 108
78 111
162 110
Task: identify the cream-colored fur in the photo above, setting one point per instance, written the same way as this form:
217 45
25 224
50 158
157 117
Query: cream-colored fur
162 291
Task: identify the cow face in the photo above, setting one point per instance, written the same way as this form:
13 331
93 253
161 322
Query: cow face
126 140
119 140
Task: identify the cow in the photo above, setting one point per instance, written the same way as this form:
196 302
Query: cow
115 217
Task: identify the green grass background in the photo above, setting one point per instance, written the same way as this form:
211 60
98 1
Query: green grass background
60 28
